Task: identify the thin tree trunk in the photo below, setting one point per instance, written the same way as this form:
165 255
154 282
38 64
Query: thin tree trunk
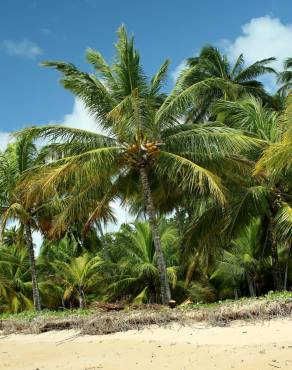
287 267
81 300
275 259
191 269
164 285
35 289
250 286
1 231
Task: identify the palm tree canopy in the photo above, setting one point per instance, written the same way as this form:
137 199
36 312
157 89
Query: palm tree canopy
277 158
285 78
249 114
136 133
211 76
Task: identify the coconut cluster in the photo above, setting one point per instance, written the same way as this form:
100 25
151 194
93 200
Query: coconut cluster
140 155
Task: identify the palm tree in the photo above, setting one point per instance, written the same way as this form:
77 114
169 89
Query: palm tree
139 141
14 162
211 76
249 114
270 190
15 285
243 259
12 236
277 158
133 261
77 276
285 78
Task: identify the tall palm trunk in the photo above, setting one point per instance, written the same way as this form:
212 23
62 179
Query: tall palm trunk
164 285
35 289
191 268
1 232
287 267
276 271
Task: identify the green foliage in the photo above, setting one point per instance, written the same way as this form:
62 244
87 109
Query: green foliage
216 155
133 260
15 284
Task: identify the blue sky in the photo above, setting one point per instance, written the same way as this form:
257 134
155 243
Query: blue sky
32 31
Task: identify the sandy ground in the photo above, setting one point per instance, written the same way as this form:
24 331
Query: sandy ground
258 346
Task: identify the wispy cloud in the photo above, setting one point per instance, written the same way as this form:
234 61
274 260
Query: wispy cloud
24 48
176 72
4 139
46 31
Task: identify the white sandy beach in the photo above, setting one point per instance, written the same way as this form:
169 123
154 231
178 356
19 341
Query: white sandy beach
258 346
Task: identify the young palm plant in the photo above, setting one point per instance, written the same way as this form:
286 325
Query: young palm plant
77 276
15 284
133 261
243 260
138 141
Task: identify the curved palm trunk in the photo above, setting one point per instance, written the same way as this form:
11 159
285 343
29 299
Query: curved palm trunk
191 269
164 285
35 289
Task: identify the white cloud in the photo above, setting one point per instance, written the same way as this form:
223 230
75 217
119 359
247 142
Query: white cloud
81 118
37 241
261 38
4 139
24 48
174 74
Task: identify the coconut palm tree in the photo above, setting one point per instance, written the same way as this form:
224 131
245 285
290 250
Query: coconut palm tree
277 158
14 162
17 158
285 78
270 190
133 261
211 76
138 141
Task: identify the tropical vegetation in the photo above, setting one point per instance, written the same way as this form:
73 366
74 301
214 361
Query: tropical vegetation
205 171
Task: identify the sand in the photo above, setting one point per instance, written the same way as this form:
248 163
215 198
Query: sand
257 346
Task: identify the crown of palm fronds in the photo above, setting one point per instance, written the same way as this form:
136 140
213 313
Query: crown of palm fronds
139 130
